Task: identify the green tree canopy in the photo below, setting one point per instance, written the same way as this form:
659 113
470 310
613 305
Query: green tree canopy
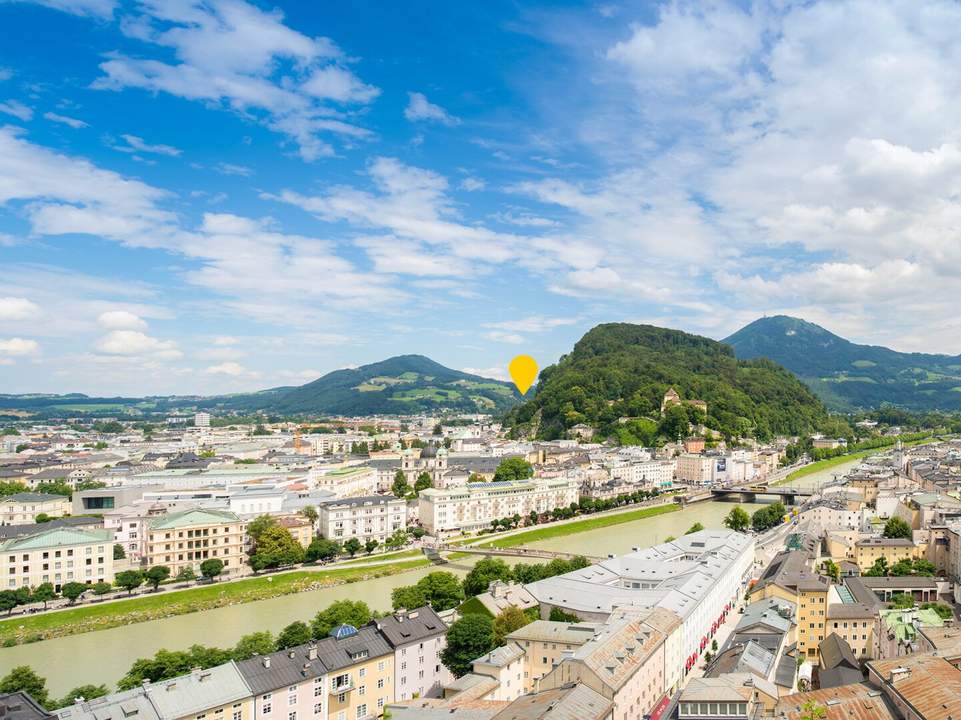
484 571
352 546
129 580
211 568
696 527
400 487
73 590
737 520
156 575
22 678
276 547
897 528
257 643
441 589
342 612
297 633
322 549
407 596
257 526
467 639
507 621
514 468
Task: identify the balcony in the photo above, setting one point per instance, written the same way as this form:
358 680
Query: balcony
347 686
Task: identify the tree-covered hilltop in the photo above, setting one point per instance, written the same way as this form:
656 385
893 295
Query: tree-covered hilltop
617 375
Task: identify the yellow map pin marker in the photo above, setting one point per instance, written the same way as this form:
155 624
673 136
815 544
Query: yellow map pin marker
523 370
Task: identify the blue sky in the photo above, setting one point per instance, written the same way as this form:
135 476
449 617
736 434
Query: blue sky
223 196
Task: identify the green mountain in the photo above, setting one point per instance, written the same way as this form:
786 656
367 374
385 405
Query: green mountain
405 384
617 374
848 376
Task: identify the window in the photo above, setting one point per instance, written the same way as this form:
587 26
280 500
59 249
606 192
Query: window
362 672
380 683
342 697
292 695
380 666
362 690
342 715
380 702
265 704
362 711
292 715
318 708
237 715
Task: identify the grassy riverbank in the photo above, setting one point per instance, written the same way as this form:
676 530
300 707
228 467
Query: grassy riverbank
842 459
88 618
549 532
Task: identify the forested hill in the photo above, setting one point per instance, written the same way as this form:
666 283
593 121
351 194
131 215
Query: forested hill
848 376
617 374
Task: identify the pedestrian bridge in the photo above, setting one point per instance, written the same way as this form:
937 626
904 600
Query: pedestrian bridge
749 493
433 552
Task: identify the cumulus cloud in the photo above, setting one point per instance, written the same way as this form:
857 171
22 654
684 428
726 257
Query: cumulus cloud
495 373
136 343
18 308
65 120
419 109
17 109
228 368
16 347
121 320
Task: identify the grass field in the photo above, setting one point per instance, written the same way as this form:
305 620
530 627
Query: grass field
591 523
152 607
840 460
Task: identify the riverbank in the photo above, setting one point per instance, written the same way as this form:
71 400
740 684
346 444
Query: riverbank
88 618
550 532
829 463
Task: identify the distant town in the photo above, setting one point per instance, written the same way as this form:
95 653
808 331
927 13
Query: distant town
834 589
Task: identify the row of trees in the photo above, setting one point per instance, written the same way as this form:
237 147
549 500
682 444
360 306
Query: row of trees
903 567
768 517
128 580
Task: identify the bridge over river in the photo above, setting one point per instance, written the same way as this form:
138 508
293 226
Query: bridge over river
749 493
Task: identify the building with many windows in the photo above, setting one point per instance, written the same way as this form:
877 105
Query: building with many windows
449 511
56 555
373 517
187 538
23 508
360 672
418 638
287 685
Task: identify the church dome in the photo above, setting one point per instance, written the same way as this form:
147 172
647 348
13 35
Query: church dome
429 452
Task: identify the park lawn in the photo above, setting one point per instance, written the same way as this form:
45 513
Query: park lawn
841 459
153 607
592 523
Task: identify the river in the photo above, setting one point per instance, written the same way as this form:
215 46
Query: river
105 656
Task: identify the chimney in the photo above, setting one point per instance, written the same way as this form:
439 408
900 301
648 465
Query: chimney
312 652
898 674
266 661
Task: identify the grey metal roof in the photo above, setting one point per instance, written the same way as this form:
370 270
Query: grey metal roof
282 669
20 706
785 671
836 677
414 626
836 652
197 691
336 654
15 531
33 497
128 705
568 702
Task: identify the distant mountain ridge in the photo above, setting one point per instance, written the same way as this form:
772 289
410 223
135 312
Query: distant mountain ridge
405 384
849 376
401 385
617 375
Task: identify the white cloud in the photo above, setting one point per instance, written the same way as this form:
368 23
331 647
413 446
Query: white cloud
418 108
472 184
228 368
18 308
532 323
96 8
136 343
5 74
504 337
64 120
231 169
17 109
246 60
137 144
121 320
495 373
18 347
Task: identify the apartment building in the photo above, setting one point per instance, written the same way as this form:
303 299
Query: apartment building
812 615
505 666
300 528
372 517
855 624
450 511
546 643
869 550
56 555
23 508
348 481
187 538
287 685
360 671
418 638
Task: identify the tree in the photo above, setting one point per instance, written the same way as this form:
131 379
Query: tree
342 612
257 643
417 532
42 518
156 575
514 468
897 528
43 593
832 570
276 547
944 611
878 569
310 512
476 478
558 615
118 552
738 519
129 580
400 487
257 526
484 571
370 546
812 711
87 692
101 588
507 621
73 590
23 679
407 596
297 633
322 549
211 568
186 574
467 639
902 601
352 546
422 483
9 599
696 527
442 590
